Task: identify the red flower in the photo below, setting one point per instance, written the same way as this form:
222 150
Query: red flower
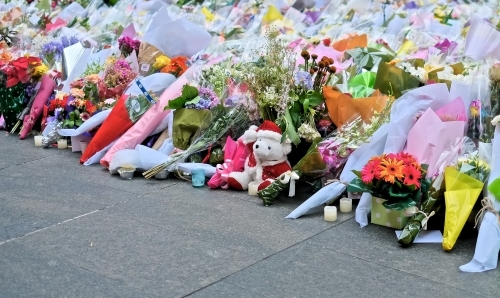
412 176
327 42
89 107
370 171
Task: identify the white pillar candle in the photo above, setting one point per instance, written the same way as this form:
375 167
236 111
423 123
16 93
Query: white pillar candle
83 146
330 213
38 141
345 205
253 188
62 144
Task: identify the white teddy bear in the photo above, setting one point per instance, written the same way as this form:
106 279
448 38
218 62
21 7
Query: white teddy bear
267 159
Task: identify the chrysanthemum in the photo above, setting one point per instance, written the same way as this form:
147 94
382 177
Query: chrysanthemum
391 169
412 176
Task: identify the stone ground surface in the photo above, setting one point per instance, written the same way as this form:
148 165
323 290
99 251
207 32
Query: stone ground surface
72 231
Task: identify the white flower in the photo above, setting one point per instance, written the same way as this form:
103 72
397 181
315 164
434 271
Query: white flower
496 120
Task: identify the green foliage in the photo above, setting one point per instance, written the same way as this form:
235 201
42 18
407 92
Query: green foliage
189 95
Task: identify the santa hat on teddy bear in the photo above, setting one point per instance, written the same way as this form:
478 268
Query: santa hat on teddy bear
267 129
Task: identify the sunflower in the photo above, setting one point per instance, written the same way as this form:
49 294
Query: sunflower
391 169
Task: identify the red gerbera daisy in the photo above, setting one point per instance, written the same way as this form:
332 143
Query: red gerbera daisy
370 171
412 176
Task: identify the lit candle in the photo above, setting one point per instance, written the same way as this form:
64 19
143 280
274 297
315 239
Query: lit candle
62 144
330 213
253 188
345 205
38 141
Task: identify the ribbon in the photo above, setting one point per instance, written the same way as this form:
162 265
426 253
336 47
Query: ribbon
487 207
410 211
222 171
290 176
145 92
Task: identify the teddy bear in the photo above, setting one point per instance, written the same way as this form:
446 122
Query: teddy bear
267 159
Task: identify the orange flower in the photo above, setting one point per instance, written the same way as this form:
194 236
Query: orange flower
392 169
177 66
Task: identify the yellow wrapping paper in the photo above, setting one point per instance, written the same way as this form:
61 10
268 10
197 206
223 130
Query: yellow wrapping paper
273 14
461 194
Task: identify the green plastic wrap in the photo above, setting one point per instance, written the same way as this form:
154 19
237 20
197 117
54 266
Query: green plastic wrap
11 104
393 80
415 224
186 123
270 193
369 57
216 156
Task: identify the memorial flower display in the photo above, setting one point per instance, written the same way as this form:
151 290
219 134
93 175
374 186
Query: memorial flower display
392 103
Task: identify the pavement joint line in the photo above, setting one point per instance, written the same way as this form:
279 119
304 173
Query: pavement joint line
389 267
67 220
26 162
267 257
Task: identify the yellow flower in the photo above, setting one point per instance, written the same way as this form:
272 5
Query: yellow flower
161 62
78 93
40 70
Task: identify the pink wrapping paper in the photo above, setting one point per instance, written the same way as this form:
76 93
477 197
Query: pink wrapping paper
46 88
453 111
148 122
235 154
430 136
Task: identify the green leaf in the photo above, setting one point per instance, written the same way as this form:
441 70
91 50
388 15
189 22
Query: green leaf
72 116
357 185
189 92
357 173
400 204
77 114
175 104
79 122
193 101
290 129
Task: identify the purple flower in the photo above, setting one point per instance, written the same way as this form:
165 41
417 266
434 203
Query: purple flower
52 51
411 5
232 101
303 79
209 95
69 42
446 46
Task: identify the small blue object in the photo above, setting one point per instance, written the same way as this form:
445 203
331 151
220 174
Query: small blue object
198 177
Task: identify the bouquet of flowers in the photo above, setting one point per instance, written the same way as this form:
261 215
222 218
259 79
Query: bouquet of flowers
396 178
118 76
127 45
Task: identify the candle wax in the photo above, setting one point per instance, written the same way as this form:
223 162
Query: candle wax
345 205
330 213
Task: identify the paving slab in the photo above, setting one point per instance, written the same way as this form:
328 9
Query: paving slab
223 289
26 272
15 223
308 270
219 217
378 245
143 256
17 152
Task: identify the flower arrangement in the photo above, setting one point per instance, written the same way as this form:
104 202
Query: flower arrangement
118 73
127 45
176 66
397 178
160 62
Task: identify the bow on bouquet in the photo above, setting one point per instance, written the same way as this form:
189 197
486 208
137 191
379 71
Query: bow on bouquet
19 70
235 154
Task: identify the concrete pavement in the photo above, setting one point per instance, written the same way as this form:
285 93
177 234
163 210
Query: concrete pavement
72 231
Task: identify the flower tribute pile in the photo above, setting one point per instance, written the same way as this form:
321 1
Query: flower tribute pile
393 103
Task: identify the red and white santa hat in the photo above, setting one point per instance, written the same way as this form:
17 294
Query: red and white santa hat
269 129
